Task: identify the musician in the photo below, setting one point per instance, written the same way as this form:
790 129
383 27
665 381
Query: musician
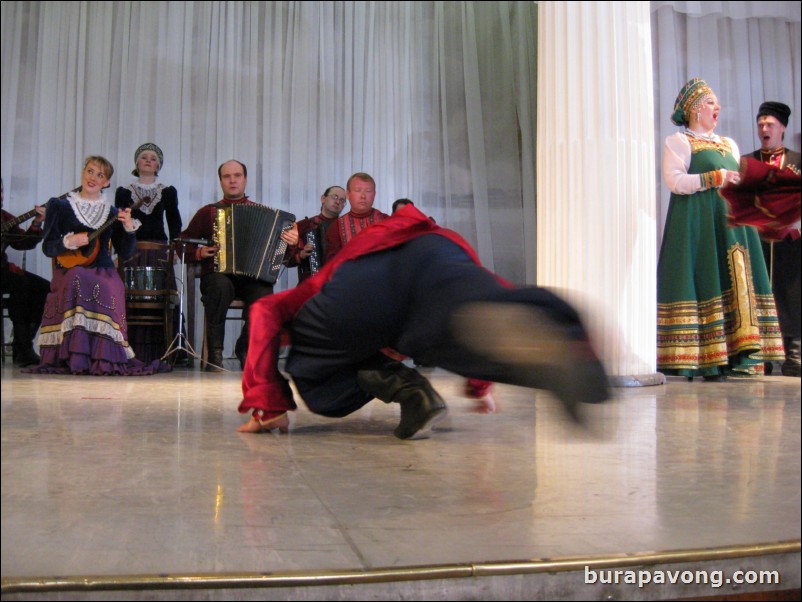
398 203
151 202
332 203
83 326
156 201
27 291
218 290
417 288
782 257
361 192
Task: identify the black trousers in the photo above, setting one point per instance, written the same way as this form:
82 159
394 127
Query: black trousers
217 293
786 283
28 294
401 298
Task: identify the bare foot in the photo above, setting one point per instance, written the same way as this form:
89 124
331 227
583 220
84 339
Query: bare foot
254 425
485 405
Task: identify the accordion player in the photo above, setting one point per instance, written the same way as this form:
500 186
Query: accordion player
249 240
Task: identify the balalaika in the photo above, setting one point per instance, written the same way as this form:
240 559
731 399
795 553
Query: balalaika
249 237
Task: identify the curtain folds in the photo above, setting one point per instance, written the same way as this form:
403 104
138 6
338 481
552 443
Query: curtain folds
434 99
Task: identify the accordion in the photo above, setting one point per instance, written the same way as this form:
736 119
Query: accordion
249 237
314 257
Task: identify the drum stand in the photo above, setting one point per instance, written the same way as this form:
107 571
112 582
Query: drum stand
180 342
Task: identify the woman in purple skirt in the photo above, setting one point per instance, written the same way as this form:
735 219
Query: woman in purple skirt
83 326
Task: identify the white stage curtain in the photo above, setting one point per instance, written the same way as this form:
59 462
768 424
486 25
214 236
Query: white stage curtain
748 52
435 99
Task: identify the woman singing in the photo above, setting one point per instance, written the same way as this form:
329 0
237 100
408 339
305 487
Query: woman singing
716 313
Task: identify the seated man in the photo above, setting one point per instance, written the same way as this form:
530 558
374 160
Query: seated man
398 203
27 291
416 288
310 255
361 193
218 290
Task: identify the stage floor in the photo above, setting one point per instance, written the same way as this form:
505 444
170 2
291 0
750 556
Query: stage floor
116 476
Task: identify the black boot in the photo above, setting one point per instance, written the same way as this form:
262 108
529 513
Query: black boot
421 405
215 334
23 352
792 364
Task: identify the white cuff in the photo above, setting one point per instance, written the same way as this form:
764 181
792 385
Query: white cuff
64 242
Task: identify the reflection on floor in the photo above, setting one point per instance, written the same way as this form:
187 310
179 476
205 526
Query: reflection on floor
145 476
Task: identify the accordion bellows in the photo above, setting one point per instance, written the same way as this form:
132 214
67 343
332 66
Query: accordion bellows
249 237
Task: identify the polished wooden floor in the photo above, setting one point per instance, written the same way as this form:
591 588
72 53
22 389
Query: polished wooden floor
124 482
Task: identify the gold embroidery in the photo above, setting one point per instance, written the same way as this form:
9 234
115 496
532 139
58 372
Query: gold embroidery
743 302
700 144
696 335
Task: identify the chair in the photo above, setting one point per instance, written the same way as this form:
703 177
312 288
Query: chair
193 275
235 304
148 305
7 348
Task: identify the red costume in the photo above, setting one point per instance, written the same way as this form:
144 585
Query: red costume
265 391
768 197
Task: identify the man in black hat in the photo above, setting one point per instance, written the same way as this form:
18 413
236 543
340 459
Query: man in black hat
783 257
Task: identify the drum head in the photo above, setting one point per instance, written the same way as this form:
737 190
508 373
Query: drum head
145 278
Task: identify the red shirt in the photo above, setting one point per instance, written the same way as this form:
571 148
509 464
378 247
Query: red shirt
348 226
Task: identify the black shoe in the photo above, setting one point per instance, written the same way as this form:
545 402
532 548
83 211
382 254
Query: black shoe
790 368
420 410
27 358
539 352
214 361
714 378
421 405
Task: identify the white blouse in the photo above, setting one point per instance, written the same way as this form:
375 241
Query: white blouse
677 160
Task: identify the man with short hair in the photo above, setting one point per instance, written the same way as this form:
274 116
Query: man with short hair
361 192
218 290
783 257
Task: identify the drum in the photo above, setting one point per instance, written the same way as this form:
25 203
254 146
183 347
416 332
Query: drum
145 278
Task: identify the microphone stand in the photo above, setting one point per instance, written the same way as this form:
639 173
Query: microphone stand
180 342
